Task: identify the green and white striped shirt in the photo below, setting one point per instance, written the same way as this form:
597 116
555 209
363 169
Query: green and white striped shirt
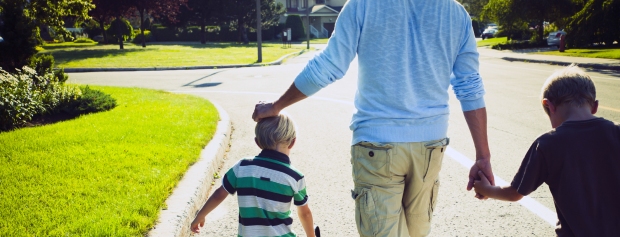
266 185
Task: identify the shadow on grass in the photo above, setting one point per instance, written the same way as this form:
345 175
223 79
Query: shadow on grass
41 120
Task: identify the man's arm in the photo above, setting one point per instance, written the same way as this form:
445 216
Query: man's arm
305 217
329 66
477 123
484 187
265 110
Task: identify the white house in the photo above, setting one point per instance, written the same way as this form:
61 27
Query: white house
323 14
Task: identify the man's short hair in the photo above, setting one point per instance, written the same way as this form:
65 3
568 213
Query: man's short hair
570 85
274 130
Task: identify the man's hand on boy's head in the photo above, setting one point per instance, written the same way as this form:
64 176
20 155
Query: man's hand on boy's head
264 110
198 223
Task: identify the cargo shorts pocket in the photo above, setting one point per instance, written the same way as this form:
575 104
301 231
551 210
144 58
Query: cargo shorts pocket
371 162
365 217
434 156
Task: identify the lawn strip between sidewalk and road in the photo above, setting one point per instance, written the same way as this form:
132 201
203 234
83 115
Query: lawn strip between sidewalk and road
102 174
165 55
491 41
611 53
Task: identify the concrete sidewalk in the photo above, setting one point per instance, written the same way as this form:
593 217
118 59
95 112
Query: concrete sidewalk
596 63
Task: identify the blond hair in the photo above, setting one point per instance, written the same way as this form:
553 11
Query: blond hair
274 130
570 85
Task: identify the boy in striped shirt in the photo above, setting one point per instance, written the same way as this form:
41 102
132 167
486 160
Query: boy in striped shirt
265 185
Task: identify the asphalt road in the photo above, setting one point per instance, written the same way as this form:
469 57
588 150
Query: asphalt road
322 150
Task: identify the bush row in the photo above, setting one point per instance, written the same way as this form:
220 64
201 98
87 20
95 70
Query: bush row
519 45
192 33
39 90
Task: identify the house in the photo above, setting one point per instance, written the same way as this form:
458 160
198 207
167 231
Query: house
322 13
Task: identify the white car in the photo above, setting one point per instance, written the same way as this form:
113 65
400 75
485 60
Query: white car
1 39
554 38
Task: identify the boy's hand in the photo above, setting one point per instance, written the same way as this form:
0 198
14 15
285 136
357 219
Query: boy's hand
482 185
198 223
482 167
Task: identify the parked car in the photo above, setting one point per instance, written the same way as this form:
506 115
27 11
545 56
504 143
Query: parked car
1 39
488 33
98 38
554 38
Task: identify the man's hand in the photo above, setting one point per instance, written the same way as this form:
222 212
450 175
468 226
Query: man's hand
482 185
482 167
198 223
264 110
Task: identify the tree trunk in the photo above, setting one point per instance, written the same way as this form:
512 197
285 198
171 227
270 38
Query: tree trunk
239 31
142 28
245 35
541 31
120 34
203 33
101 25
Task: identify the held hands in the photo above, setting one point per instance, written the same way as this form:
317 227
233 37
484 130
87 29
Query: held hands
482 185
480 169
198 223
264 110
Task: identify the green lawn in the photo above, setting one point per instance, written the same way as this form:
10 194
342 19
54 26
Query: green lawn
588 53
102 174
316 41
491 41
67 45
165 55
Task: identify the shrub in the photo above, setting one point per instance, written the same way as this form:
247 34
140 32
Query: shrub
120 28
519 45
89 102
138 38
83 40
20 34
297 27
24 94
43 64
92 28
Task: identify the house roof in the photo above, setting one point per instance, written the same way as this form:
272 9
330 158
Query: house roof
323 9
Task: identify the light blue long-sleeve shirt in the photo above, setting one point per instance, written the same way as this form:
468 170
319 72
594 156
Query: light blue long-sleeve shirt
407 51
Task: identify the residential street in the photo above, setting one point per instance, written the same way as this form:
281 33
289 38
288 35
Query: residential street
515 119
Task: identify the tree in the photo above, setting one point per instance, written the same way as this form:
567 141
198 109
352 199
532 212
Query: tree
297 27
20 19
120 29
596 22
204 11
513 13
158 8
243 15
501 12
474 7
105 11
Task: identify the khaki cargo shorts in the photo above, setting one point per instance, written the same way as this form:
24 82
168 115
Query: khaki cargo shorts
396 186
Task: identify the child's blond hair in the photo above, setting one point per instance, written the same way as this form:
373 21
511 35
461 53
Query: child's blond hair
275 130
570 85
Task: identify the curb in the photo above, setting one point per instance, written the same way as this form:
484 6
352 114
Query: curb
191 192
563 63
277 62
